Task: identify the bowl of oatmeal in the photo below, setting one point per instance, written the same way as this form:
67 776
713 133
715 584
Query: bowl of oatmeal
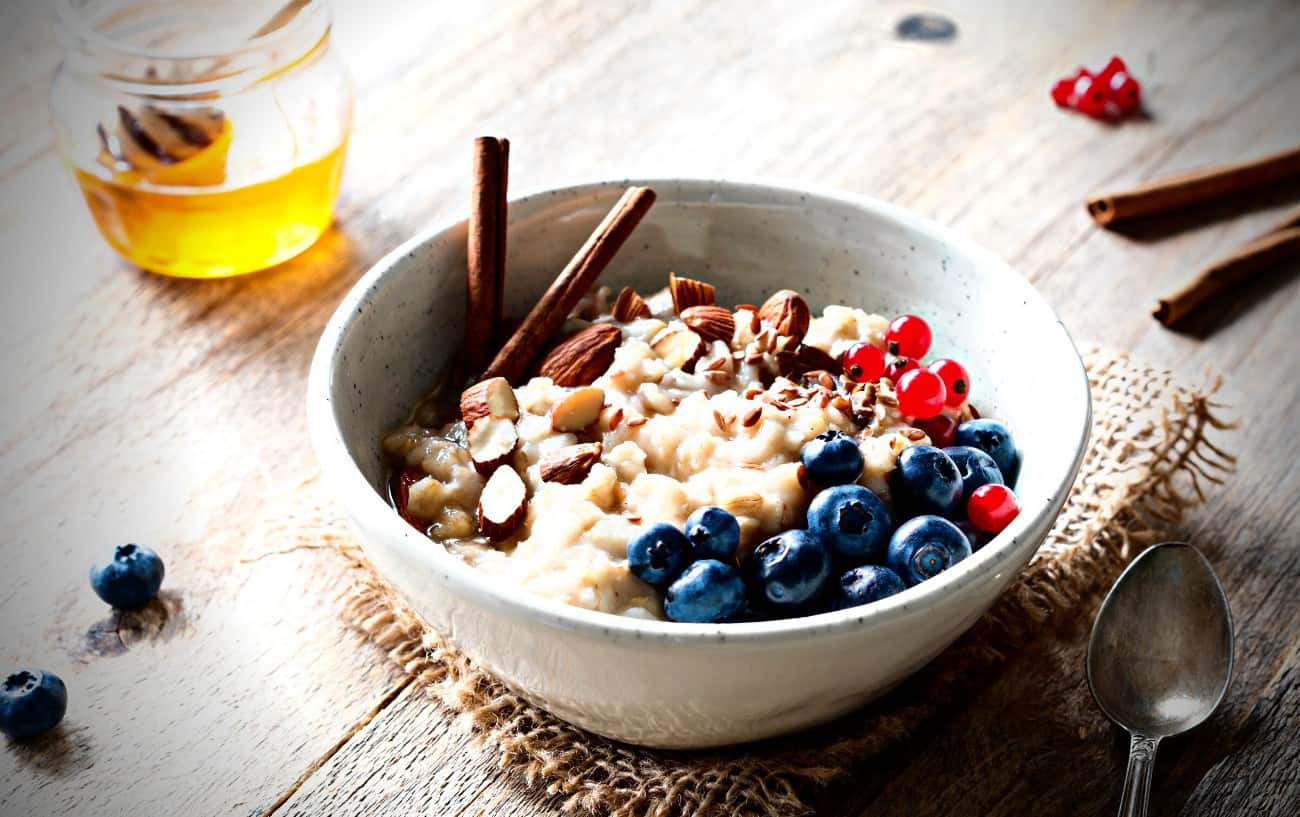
520 510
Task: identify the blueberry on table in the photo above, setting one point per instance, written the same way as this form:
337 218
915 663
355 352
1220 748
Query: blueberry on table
658 554
32 703
926 480
131 580
708 591
788 570
832 458
993 439
863 585
714 533
852 521
976 468
924 547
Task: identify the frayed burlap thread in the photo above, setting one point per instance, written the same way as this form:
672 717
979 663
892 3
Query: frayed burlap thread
1148 461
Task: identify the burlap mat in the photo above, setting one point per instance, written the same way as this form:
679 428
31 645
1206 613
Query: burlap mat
1148 460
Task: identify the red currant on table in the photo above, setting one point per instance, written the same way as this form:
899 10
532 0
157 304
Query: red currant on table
896 367
1125 92
921 394
863 363
1061 91
1115 66
941 429
992 507
954 377
908 336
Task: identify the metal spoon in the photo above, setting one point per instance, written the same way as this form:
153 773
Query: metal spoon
1160 655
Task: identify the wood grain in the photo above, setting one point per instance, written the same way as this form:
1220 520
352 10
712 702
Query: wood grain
171 412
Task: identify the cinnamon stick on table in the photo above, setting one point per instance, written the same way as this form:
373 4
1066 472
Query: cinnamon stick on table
485 284
528 341
1194 187
1267 250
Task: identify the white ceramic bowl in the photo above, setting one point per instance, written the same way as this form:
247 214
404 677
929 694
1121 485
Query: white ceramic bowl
693 685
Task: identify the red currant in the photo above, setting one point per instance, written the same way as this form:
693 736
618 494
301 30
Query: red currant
863 363
899 366
1115 66
992 507
921 394
1125 91
941 429
954 377
1091 98
1061 91
908 336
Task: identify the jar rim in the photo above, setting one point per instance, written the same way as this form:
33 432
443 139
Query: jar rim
314 15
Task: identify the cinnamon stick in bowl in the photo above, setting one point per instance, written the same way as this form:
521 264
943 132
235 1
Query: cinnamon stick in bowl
1194 187
1273 247
486 250
551 310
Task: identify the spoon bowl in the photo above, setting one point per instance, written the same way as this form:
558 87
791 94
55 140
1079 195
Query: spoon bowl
1160 655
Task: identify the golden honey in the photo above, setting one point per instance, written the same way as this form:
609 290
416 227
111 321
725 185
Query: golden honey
206 145
195 232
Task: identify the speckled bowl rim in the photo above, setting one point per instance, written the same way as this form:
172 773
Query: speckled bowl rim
1007 551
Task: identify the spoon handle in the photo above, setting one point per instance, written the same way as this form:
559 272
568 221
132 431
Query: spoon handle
1137 780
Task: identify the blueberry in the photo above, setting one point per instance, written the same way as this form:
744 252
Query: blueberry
131 580
832 458
863 585
993 439
926 480
976 469
852 521
714 533
788 570
707 591
658 554
924 547
974 535
32 703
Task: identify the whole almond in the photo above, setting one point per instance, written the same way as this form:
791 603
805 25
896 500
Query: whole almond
579 410
787 312
630 306
488 398
569 465
503 505
710 322
688 292
583 356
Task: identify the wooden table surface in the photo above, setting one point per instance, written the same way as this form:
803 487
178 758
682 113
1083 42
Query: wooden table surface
171 412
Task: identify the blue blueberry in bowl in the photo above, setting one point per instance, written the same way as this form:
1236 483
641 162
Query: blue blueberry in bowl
974 535
32 703
993 439
852 521
788 570
658 554
926 481
924 547
832 458
863 585
131 579
976 468
708 591
714 533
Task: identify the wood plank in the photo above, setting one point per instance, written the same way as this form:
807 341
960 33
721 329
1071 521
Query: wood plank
115 371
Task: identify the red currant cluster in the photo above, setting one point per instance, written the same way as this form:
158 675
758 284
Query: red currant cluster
1110 95
923 392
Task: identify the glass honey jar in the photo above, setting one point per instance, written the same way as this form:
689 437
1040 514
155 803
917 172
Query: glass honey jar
208 138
